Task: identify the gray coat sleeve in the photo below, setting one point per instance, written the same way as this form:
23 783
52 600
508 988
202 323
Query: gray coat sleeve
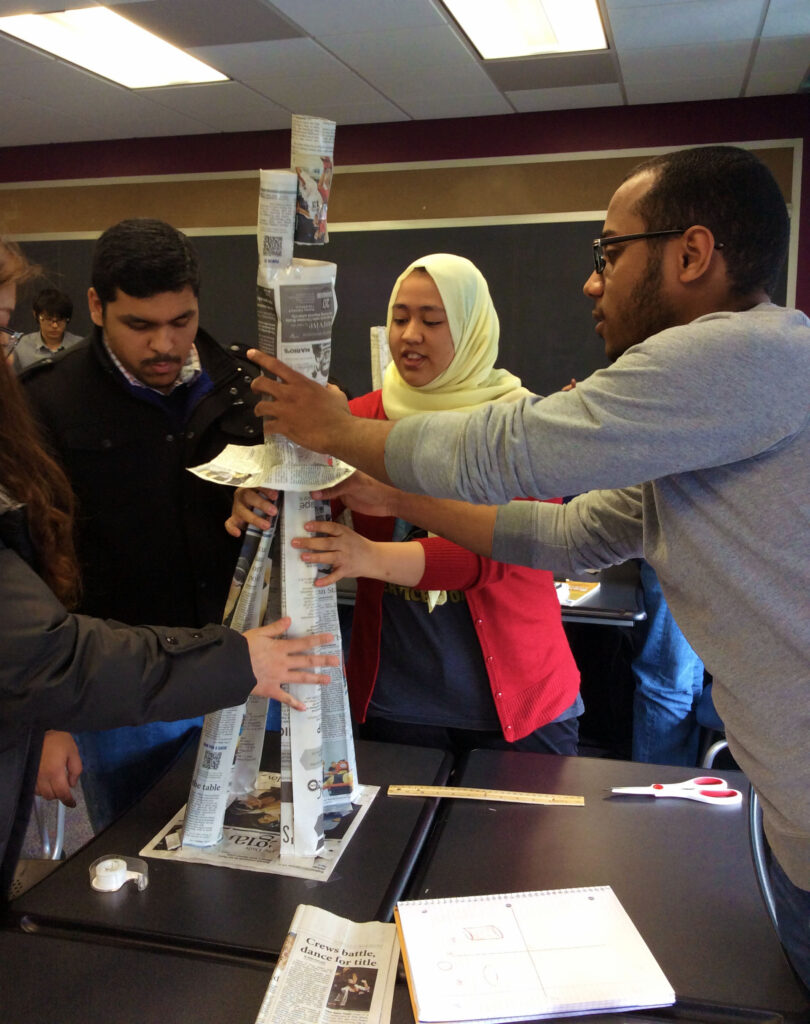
64 671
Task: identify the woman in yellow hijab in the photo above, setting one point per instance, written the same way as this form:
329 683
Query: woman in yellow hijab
487 664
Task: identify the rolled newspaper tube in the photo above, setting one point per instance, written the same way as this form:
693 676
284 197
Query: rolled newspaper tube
311 158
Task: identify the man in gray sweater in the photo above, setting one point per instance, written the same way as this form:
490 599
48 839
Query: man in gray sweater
693 448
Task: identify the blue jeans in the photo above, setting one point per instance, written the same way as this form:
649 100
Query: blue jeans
121 765
792 906
669 680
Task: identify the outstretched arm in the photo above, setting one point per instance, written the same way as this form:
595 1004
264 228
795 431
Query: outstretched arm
318 418
469 526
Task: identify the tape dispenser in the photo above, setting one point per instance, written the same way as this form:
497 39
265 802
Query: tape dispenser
109 874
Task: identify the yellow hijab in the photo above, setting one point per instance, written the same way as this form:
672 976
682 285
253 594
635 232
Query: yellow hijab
471 378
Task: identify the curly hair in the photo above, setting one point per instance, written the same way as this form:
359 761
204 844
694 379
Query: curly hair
28 474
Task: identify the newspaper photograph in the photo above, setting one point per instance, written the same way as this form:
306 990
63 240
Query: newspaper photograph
332 971
251 834
311 158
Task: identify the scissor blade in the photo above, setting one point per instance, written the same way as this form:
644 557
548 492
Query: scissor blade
632 790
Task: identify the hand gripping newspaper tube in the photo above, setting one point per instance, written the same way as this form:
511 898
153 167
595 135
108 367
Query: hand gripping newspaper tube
296 306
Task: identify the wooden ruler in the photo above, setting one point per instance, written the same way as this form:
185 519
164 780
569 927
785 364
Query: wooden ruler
459 793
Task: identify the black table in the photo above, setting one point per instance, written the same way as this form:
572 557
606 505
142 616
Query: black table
48 980
235 912
682 870
617 602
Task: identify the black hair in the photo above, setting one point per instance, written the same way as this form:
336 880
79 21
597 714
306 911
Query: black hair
143 257
54 303
731 192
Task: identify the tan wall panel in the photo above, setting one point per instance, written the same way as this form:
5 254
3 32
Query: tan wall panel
460 191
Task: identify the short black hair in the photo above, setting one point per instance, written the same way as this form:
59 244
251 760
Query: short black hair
730 191
143 257
54 303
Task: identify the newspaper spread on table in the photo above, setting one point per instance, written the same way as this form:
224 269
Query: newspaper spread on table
332 971
251 835
318 786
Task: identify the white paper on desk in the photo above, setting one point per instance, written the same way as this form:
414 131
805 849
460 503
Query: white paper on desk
250 835
525 955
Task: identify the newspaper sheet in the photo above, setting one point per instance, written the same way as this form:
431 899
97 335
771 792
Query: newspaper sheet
332 971
255 466
216 776
380 355
251 838
312 150
278 191
317 749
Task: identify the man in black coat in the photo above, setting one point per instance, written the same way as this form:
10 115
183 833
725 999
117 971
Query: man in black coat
127 411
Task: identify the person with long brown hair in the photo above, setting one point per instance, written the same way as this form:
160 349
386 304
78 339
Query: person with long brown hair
66 671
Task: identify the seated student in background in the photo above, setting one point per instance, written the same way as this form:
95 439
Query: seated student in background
52 312
489 666
59 670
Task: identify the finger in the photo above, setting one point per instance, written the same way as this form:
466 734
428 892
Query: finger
324 526
274 366
333 577
61 790
234 526
285 698
277 628
314 543
298 645
304 676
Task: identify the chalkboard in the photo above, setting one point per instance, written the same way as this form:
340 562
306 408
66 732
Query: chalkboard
535 274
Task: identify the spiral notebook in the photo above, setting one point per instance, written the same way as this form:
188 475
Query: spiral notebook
519 956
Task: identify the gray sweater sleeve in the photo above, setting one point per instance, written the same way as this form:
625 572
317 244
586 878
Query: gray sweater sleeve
708 393
66 671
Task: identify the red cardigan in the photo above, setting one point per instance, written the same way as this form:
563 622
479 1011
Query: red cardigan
515 612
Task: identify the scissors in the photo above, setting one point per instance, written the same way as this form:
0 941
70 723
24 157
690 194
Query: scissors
706 789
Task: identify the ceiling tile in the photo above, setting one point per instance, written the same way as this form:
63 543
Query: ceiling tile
553 71
684 91
448 104
321 18
223 106
346 87
695 21
203 22
787 18
291 57
774 83
355 113
577 97
413 48
776 55
660 64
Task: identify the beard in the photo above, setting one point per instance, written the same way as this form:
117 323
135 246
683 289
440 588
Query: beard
647 311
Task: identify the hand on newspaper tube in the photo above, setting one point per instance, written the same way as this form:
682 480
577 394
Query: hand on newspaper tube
60 766
362 493
317 418
248 504
345 552
276 659
349 554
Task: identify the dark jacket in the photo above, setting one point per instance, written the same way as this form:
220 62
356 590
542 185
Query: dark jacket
65 671
151 541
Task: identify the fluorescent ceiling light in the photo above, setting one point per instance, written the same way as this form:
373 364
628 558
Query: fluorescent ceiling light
107 44
524 28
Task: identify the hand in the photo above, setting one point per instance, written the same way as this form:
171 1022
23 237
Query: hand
59 768
362 493
303 410
275 661
248 503
571 386
345 551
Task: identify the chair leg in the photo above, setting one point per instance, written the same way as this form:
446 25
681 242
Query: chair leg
759 855
712 752
50 850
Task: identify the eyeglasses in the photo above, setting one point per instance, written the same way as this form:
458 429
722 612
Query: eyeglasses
45 319
9 340
600 243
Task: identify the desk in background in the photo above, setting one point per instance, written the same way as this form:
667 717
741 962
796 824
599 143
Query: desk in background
682 870
617 602
235 912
